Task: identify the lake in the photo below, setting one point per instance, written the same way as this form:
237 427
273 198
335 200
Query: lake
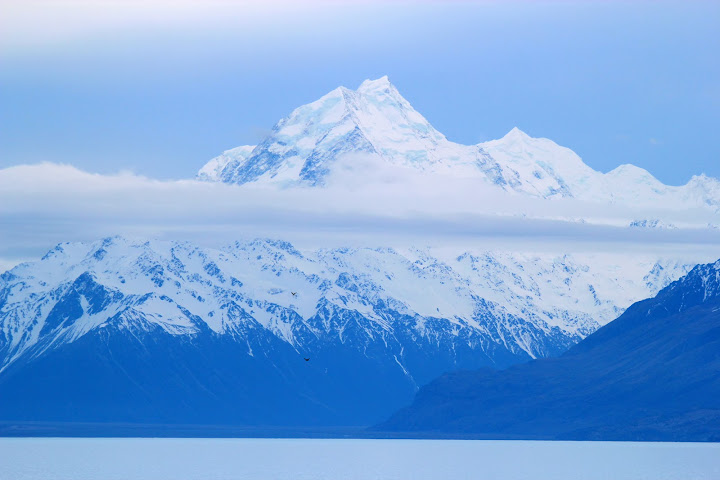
361 459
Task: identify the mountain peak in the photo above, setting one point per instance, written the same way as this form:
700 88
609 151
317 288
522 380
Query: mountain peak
378 84
373 121
705 180
348 130
234 158
632 172
516 135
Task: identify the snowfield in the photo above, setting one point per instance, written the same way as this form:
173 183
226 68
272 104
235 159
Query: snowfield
528 304
374 129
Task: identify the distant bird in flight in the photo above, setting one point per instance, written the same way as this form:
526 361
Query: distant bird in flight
306 359
294 294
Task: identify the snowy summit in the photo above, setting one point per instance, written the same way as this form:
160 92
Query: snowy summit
376 127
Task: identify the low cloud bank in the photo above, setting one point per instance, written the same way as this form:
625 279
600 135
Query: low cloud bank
44 204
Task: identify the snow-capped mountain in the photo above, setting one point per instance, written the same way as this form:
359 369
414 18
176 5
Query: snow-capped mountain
230 159
227 330
375 126
651 374
260 332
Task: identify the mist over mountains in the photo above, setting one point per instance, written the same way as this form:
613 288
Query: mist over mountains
365 168
391 287
374 131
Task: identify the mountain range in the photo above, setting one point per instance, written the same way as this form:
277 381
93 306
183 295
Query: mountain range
652 374
263 333
375 127
118 329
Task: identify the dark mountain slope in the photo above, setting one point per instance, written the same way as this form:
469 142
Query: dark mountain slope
150 376
652 374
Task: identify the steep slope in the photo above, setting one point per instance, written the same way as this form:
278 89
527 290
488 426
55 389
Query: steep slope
162 331
371 124
374 127
232 159
652 374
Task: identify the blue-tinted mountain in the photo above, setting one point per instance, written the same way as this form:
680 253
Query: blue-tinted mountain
651 374
136 331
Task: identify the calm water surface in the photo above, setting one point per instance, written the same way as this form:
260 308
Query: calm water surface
334 459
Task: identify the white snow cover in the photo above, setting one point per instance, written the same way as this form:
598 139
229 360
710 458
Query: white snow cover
366 163
235 157
375 128
174 285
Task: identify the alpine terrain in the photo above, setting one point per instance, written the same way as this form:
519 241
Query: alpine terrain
652 374
133 331
264 333
375 126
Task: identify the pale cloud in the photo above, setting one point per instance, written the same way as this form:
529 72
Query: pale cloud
53 23
50 24
41 205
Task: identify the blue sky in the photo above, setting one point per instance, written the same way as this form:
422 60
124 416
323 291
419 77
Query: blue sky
157 89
